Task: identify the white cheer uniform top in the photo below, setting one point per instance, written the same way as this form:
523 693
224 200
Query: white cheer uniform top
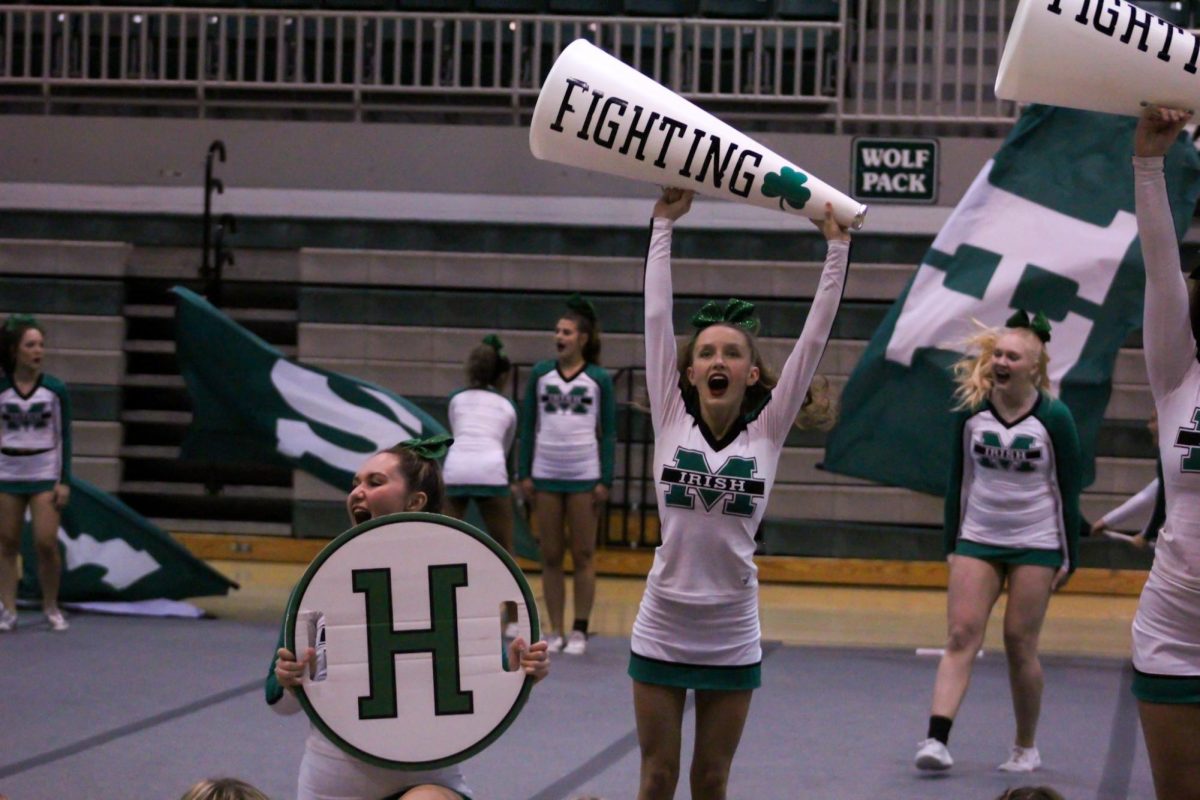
1173 369
1010 495
35 432
483 423
568 426
712 494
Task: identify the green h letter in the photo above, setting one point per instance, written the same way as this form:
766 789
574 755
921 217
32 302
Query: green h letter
440 639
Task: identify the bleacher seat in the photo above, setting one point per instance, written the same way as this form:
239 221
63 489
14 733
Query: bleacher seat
807 9
432 5
659 8
507 6
736 9
356 5
589 7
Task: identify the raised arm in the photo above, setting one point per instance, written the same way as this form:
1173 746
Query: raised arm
1133 513
662 372
1166 330
797 374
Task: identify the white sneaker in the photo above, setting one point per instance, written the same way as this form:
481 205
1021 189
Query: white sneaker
555 642
1023 759
56 620
576 644
932 754
8 619
512 630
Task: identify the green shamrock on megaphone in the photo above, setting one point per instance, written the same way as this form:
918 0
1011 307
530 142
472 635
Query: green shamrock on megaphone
788 186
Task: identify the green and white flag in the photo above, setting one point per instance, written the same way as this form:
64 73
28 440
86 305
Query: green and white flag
1048 225
252 404
112 553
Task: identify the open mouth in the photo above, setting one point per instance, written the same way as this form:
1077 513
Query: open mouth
718 383
360 515
560 346
1001 375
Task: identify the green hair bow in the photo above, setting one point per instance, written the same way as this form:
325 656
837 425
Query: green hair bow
493 341
738 313
577 303
1039 324
431 447
21 321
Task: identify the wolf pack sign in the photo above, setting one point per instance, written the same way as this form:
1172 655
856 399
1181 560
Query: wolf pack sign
413 673
1098 55
598 113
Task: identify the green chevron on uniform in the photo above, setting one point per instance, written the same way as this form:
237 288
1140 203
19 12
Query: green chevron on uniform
110 552
1047 226
253 405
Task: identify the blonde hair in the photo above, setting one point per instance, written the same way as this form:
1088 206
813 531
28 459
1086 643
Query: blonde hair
817 411
223 789
973 372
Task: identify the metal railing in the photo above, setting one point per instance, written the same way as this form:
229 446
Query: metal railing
893 60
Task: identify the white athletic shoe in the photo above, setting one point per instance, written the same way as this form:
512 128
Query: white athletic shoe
8 619
56 620
933 755
555 642
1023 759
576 643
512 630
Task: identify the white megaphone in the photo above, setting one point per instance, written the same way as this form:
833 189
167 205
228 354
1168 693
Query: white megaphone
595 112
1098 55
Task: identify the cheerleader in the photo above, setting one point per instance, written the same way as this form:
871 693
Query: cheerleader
483 423
1012 515
404 478
720 419
35 465
568 436
1166 628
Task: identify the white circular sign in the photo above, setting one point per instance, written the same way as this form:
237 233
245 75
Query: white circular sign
413 670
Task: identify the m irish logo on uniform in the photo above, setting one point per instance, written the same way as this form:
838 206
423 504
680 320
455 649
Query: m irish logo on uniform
575 401
36 417
1189 440
991 452
734 483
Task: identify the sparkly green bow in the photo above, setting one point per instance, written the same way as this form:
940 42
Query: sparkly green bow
20 321
1039 324
493 341
738 313
577 303
431 447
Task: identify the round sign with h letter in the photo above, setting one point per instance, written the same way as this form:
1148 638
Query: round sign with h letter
405 613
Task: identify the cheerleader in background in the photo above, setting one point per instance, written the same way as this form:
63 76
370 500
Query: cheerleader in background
35 465
568 438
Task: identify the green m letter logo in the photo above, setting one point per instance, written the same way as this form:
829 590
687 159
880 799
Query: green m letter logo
1017 457
692 477
574 402
384 642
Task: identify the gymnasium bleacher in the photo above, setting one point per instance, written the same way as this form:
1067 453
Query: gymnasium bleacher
400 303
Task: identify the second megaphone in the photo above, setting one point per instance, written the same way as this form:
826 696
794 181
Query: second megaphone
598 113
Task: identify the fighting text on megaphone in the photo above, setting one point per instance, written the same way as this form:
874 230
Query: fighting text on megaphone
597 112
615 118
